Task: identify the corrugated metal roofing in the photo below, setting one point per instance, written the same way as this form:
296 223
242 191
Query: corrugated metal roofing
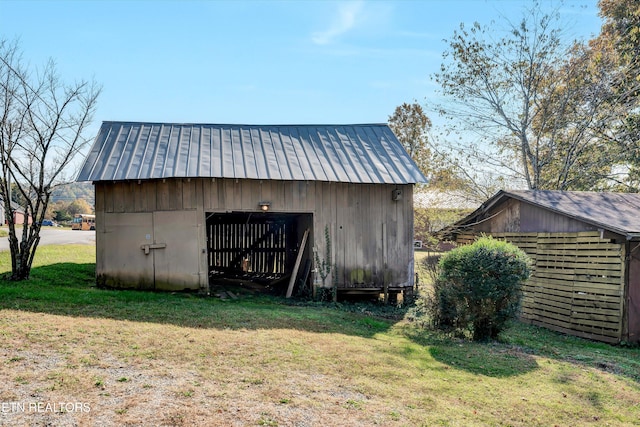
368 153
617 212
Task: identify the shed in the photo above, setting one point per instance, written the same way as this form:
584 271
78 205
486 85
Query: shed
188 206
585 248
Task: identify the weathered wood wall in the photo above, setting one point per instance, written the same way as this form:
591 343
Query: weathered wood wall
369 231
577 284
515 216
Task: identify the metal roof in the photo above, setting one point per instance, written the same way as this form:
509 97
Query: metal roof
367 153
617 212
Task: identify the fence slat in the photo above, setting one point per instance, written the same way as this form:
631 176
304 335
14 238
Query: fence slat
577 282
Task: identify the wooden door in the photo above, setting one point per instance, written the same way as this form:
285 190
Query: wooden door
176 250
120 261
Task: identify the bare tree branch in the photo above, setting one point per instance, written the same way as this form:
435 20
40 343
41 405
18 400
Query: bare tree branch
42 128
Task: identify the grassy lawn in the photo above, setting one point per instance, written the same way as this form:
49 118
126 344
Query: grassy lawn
144 358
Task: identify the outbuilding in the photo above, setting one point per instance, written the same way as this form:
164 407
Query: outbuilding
19 215
187 206
585 248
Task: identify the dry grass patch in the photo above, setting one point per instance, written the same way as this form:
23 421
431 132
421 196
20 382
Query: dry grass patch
139 359
143 373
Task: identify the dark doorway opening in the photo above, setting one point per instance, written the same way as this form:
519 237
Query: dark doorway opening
257 250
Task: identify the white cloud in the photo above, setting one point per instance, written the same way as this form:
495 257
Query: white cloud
348 17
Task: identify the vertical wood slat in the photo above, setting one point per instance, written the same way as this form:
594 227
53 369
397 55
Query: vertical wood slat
108 191
264 244
351 206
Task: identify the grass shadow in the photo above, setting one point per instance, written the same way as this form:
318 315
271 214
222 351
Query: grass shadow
488 359
69 289
519 349
485 359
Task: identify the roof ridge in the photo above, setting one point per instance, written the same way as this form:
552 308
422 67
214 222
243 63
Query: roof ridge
242 124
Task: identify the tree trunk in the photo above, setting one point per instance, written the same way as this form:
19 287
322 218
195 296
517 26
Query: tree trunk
22 253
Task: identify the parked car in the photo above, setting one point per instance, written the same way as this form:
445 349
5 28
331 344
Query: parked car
49 223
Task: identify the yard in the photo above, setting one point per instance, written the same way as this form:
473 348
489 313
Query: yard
75 355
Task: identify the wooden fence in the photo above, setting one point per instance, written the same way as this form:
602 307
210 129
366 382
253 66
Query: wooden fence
577 283
258 248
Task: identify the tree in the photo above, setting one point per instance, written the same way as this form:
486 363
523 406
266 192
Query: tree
42 127
533 107
571 122
411 125
79 206
616 50
621 30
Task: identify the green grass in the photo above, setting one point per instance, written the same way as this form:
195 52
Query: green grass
261 360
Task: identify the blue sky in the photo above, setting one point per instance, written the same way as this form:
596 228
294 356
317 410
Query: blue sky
255 62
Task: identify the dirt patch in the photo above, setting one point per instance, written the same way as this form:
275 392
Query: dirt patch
59 371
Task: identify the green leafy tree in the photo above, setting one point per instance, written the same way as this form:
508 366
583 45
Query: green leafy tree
427 222
532 106
621 32
58 211
43 122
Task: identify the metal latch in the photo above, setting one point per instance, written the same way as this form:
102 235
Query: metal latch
147 248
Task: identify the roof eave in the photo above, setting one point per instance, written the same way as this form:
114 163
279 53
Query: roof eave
502 194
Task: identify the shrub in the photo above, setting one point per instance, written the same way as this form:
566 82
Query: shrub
478 288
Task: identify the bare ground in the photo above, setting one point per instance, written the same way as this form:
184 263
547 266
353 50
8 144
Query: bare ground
100 372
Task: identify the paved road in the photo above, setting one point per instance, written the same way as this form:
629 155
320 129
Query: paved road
58 236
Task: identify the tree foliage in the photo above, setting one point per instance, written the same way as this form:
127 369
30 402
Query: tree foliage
615 51
428 221
411 125
79 206
73 191
43 122
621 31
539 110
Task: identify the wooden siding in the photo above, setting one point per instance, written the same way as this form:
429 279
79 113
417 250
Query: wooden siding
369 232
536 219
517 216
633 291
577 284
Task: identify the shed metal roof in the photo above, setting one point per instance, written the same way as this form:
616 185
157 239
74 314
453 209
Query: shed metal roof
367 153
616 212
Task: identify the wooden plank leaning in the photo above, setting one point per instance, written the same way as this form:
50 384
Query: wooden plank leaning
294 274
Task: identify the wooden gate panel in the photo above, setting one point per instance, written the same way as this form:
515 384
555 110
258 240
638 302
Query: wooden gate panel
577 283
256 247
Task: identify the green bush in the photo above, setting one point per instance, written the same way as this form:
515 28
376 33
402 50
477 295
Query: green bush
477 289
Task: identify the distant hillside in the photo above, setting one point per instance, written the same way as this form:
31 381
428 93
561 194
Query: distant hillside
76 190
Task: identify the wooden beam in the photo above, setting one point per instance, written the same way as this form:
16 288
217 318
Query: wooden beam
292 280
